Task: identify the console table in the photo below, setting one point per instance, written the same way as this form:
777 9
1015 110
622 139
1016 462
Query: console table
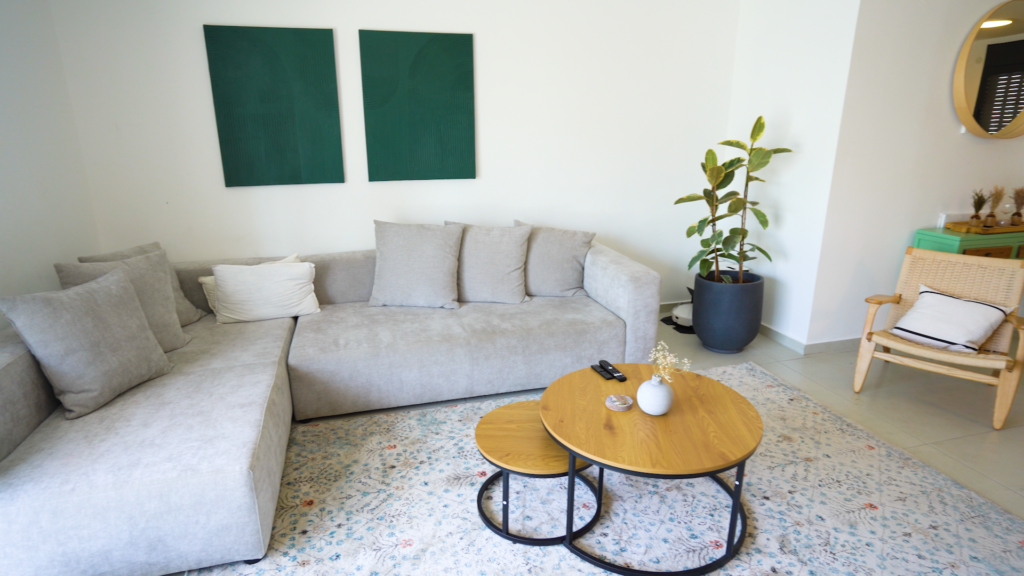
992 245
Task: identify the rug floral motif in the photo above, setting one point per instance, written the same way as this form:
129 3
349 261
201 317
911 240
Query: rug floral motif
395 494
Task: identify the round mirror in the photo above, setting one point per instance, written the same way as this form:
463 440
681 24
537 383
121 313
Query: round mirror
988 86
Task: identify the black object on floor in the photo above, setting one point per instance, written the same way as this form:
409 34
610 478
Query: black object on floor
677 327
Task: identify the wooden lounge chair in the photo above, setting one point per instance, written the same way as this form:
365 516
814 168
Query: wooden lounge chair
994 280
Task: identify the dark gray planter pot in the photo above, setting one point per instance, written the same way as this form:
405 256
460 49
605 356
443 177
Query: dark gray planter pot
727 317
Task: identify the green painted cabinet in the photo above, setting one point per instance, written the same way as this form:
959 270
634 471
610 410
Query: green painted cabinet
993 245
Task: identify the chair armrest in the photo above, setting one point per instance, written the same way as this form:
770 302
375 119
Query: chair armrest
631 291
883 299
1017 322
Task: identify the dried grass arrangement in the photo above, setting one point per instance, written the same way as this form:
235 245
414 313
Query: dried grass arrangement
1018 200
978 201
995 199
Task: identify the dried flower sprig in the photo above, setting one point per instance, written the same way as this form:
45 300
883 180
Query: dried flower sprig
667 362
978 200
1018 198
995 198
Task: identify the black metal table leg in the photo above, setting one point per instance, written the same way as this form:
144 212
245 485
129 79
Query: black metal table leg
505 531
737 490
737 525
571 490
504 502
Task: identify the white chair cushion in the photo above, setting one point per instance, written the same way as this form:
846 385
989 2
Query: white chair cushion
949 323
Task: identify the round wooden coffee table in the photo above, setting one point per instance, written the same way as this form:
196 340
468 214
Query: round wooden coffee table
512 438
709 429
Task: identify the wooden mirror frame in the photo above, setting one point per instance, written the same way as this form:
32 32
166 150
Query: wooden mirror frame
963 110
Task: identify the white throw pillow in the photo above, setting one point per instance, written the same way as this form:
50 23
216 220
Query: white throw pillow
210 283
252 293
950 323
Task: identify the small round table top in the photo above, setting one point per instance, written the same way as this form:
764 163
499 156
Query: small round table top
512 437
709 426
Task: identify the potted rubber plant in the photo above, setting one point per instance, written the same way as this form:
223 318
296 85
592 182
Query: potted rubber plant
727 304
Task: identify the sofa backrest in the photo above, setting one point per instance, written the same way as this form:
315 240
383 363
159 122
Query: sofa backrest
26 397
341 277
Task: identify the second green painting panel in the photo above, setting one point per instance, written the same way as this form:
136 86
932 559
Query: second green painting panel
418 105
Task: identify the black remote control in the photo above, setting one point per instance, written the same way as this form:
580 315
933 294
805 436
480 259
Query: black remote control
601 371
612 370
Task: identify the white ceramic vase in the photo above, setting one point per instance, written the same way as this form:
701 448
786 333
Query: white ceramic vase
654 396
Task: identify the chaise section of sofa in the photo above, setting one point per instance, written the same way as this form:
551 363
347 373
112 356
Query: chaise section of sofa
178 473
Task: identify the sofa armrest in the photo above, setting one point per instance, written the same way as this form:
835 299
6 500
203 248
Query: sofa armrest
631 291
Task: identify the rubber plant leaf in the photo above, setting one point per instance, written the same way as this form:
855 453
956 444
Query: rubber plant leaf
761 217
715 175
726 180
689 198
761 250
735 144
711 159
705 267
697 257
758 130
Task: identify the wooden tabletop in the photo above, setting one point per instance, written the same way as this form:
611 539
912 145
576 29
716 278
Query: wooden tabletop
512 437
709 426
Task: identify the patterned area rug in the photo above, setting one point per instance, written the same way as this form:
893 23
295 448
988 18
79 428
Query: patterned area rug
395 494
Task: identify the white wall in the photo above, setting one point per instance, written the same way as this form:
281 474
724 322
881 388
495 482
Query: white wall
45 212
591 115
902 158
792 59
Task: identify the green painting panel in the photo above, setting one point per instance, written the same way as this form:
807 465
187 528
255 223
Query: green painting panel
275 94
418 105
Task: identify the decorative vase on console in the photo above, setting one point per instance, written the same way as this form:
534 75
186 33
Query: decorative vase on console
655 396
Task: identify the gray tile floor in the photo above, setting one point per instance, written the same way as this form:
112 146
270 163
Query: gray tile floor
945 422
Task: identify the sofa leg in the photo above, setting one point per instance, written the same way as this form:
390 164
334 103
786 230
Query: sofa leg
254 561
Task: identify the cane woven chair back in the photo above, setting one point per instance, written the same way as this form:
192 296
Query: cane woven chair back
994 280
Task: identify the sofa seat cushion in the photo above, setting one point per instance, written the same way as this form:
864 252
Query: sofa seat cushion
353 357
177 473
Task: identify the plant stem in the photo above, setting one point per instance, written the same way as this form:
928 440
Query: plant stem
714 228
743 218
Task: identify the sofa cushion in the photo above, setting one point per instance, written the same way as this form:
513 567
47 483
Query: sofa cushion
417 265
92 340
554 262
187 313
353 357
209 283
492 263
255 293
178 473
150 275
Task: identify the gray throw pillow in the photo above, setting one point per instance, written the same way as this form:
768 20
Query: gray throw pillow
187 313
492 264
554 262
150 277
417 265
92 341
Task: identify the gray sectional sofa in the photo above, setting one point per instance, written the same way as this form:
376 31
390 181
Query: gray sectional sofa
184 471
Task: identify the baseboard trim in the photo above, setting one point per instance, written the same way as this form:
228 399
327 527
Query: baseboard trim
791 343
781 338
808 349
